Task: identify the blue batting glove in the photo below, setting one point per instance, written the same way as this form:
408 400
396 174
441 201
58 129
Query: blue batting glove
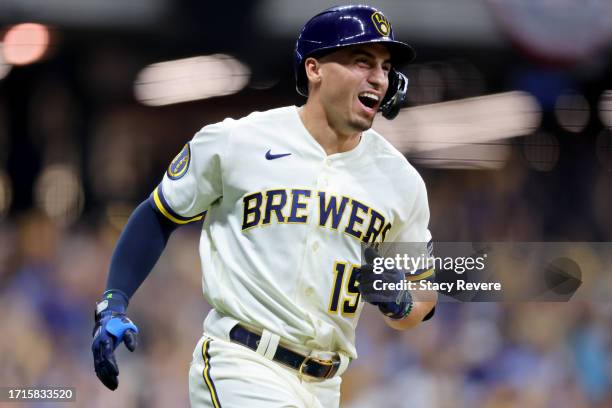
396 304
111 329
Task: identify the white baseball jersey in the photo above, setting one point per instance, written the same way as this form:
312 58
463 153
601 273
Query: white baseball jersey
285 221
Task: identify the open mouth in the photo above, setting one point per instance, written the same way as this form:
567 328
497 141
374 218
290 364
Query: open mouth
368 99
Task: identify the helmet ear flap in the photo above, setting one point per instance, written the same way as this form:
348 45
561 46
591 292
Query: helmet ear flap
396 95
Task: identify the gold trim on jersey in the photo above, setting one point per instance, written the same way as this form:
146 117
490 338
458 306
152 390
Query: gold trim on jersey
167 214
206 374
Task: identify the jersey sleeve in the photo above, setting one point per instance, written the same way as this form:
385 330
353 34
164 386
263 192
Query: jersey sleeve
193 180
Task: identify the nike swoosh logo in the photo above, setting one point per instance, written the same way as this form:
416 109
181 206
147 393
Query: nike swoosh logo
270 156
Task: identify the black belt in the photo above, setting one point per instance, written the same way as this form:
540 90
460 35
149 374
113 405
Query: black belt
305 365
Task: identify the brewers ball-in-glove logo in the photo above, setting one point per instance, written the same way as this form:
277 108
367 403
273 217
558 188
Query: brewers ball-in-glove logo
381 23
180 164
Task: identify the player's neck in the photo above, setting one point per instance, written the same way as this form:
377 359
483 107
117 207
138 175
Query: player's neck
331 140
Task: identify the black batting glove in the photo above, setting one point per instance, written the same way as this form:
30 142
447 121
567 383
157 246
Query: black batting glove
374 288
112 327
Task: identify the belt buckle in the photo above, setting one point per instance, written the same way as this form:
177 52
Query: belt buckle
328 363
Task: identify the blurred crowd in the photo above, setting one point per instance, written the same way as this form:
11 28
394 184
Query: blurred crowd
50 280
469 355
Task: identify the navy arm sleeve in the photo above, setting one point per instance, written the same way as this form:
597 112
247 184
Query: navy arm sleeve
139 247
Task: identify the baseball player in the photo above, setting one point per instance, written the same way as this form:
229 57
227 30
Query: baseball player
287 197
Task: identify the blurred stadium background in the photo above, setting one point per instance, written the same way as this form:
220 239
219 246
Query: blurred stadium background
510 124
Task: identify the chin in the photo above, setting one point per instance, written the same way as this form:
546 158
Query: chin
362 124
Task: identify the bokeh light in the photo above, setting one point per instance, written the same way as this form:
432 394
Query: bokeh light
465 133
59 193
541 151
25 43
605 108
190 79
572 111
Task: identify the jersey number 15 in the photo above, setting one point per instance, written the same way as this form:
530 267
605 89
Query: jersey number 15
345 285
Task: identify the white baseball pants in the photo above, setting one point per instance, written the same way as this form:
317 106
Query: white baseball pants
228 375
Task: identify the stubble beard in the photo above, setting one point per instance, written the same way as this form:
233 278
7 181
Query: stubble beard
361 124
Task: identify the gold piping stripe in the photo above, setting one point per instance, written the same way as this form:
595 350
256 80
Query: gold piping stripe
421 276
206 375
161 208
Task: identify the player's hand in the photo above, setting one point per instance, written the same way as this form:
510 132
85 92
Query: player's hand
374 287
111 329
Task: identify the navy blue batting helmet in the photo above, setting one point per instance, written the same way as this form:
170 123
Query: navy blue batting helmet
343 26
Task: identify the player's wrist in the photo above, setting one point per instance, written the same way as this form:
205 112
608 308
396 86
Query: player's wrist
110 314
400 309
112 301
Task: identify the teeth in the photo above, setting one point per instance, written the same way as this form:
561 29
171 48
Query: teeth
369 95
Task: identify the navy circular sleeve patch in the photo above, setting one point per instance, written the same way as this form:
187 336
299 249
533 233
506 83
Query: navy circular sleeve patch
180 164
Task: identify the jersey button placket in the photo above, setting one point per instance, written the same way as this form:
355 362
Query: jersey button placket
311 245
323 181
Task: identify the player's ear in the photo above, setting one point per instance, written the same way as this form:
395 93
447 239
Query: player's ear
313 70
